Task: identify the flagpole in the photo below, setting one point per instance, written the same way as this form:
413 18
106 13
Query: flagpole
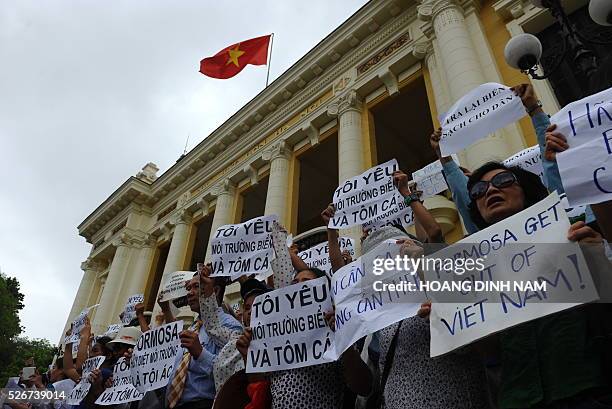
270 59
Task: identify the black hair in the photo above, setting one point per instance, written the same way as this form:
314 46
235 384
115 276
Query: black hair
533 188
317 271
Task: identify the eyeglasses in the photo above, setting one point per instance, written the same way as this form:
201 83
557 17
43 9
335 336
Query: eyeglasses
500 181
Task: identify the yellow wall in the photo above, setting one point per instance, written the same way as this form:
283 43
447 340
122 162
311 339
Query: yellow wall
498 35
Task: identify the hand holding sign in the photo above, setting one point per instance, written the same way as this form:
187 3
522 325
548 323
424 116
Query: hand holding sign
581 233
191 342
243 343
555 142
328 213
206 283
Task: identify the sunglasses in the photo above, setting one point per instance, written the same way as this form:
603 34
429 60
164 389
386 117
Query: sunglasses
500 181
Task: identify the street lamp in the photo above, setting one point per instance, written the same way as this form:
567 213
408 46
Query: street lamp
524 51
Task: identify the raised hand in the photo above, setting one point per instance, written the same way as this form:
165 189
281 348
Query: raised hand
555 142
242 343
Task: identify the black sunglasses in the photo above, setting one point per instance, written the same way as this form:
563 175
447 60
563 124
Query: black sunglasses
500 181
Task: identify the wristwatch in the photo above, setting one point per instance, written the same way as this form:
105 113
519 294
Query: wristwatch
412 197
535 106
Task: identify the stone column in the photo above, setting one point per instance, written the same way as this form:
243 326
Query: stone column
112 287
350 146
459 60
350 141
90 269
138 277
224 209
278 195
425 51
180 240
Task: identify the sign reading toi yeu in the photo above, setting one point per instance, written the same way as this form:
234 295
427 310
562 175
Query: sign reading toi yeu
82 388
289 328
244 248
121 390
483 110
365 197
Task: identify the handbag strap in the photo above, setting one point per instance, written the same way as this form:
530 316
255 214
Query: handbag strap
389 360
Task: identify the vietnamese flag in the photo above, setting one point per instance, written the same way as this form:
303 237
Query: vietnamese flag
231 60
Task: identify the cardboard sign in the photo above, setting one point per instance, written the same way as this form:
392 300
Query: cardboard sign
154 355
318 256
480 112
122 390
289 328
366 197
528 247
244 248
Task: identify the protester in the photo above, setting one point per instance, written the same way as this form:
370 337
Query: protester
191 384
317 386
552 360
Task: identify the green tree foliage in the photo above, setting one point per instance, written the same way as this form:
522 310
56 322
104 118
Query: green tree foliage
16 350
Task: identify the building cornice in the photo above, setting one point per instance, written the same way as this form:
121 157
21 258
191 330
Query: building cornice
267 118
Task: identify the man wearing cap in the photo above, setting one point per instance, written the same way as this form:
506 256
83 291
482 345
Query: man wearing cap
191 384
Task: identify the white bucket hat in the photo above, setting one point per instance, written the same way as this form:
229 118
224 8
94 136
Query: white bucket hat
127 335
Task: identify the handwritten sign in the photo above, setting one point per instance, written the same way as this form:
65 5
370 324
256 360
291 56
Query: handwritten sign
318 256
365 197
363 304
482 111
77 325
244 248
289 328
122 390
542 278
586 167
154 355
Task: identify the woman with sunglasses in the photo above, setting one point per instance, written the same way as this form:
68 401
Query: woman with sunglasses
551 362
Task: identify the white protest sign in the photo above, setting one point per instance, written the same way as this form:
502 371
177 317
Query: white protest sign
174 287
363 303
365 197
399 215
80 391
517 251
318 256
430 179
289 328
586 167
129 311
122 390
112 330
78 324
244 248
482 111
528 159
153 357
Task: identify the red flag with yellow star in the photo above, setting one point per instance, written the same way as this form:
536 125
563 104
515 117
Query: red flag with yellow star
231 60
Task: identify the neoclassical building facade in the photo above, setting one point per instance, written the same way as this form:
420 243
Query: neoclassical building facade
370 91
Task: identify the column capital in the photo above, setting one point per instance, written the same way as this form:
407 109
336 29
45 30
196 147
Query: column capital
429 9
183 216
125 239
279 149
225 186
149 240
423 50
348 101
